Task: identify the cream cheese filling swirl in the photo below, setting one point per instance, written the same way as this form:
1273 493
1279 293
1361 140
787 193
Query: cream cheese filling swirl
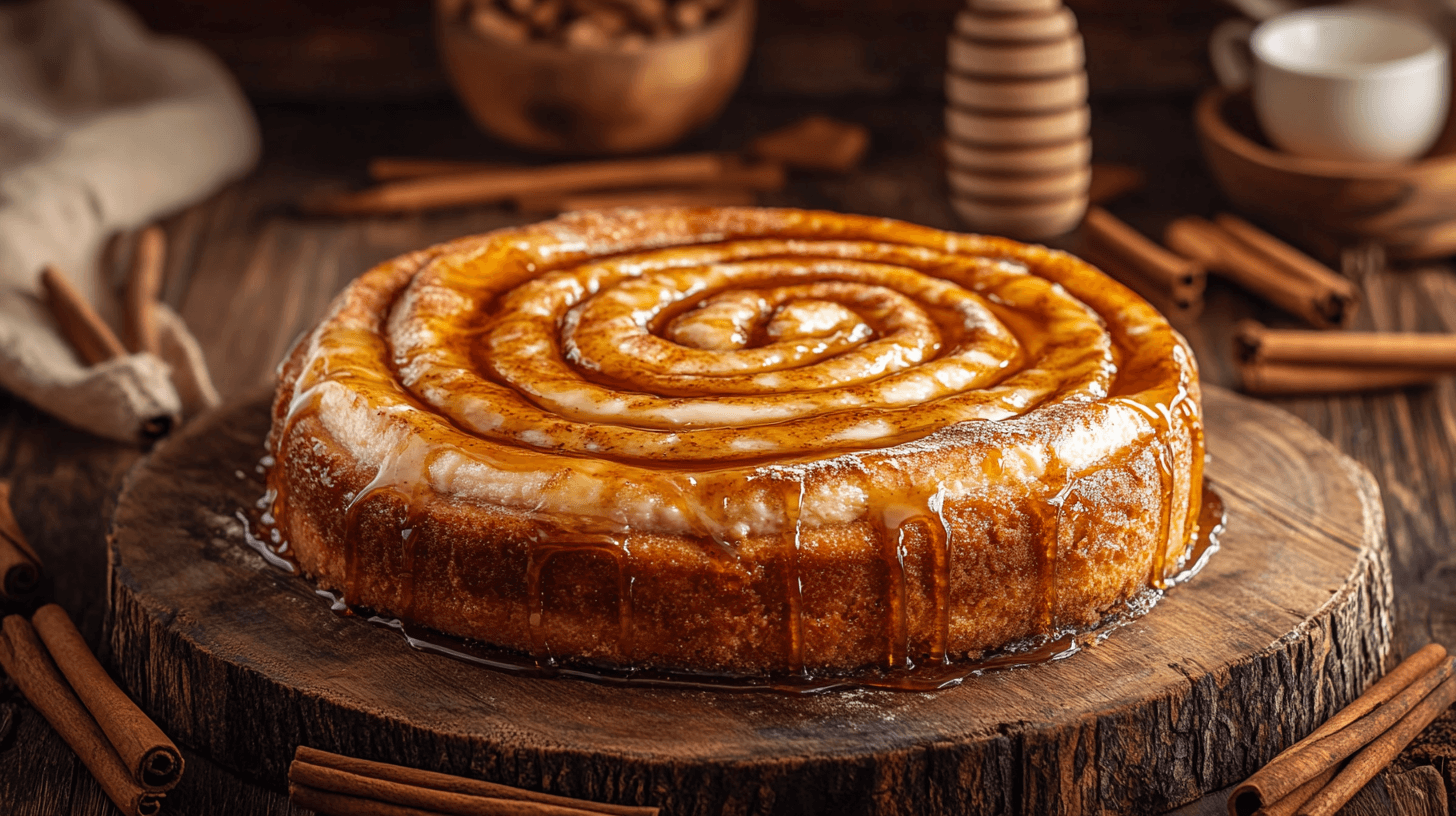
742 349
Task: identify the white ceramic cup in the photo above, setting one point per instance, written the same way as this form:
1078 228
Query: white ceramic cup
1340 82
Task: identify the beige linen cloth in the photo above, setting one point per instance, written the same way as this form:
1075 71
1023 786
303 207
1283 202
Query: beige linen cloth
104 126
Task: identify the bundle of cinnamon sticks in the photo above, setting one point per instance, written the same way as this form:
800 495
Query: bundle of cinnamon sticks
694 179
1268 267
46 657
20 568
1227 246
1321 772
345 786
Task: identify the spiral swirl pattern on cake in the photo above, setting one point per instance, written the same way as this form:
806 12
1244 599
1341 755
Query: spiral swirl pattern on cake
739 440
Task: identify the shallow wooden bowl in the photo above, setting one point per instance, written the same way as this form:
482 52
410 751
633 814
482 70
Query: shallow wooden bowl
1409 208
546 97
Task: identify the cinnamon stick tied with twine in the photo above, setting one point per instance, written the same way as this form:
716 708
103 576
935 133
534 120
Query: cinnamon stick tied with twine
20 568
24 658
1182 280
346 786
90 337
1288 361
490 186
1385 718
1267 267
143 291
80 325
149 756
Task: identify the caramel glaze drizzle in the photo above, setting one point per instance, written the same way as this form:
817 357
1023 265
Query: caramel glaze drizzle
563 541
404 473
935 675
793 579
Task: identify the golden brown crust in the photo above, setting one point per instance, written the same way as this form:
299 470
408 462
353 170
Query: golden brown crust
458 445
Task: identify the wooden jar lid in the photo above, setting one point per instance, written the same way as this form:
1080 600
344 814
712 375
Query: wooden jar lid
1031 220
1053 25
1035 159
1057 185
1018 129
1016 60
1017 95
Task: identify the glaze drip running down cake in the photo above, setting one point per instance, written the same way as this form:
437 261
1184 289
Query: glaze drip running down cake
748 441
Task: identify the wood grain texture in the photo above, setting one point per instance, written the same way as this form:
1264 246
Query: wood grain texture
249 277
1286 625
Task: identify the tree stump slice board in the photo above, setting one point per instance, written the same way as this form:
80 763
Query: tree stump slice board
1289 621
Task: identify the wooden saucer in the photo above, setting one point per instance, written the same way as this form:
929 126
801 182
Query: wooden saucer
1330 205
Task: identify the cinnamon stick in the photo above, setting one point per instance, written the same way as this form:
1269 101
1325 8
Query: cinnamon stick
488 186
25 660
20 570
685 197
87 333
1287 379
1324 303
1393 349
1182 277
1286 256
394 168
315 771
1113 181
143 290
1180 307
1379 753
1290 804
815 143
150 757
1370 715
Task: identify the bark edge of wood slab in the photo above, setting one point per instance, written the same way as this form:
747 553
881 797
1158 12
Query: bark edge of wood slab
1289 622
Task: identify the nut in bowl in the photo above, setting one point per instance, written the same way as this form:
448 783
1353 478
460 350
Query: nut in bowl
594 76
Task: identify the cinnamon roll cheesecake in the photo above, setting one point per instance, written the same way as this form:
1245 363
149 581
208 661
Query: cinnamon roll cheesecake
739 440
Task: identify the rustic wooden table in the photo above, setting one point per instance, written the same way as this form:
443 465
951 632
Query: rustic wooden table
249 275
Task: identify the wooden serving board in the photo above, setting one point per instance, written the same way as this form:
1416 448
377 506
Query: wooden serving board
1286 624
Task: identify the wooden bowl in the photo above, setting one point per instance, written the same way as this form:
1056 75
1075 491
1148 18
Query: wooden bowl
546 97
1409 208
